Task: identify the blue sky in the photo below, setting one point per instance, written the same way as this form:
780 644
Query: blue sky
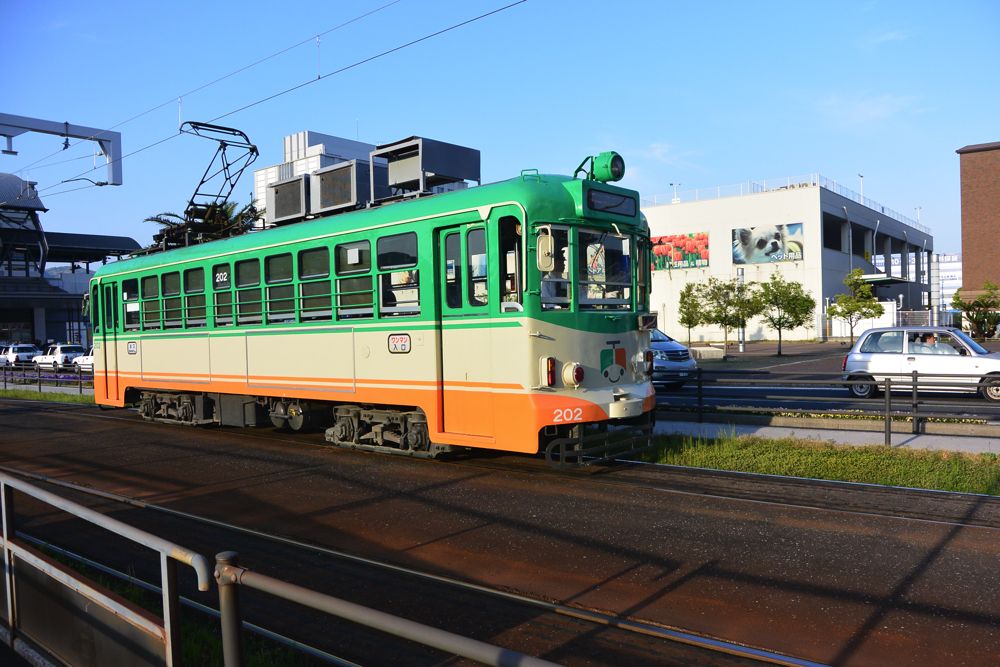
701 94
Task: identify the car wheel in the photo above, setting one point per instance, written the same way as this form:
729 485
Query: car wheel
991 388
865 387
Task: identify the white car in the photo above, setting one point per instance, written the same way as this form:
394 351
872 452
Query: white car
86 362
945 358
58 356
20 353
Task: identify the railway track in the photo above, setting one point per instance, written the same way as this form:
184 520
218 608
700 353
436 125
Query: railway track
602 550
703 649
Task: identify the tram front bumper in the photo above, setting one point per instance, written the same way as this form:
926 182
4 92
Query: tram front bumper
624 407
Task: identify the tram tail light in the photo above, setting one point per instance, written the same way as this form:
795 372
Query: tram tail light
549 371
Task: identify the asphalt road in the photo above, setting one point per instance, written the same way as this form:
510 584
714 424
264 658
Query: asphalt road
846 576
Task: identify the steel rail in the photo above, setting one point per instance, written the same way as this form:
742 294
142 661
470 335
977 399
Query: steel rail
676 635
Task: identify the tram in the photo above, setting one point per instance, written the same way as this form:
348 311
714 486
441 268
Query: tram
511 316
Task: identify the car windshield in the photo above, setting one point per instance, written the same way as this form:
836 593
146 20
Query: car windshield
660 337
976 347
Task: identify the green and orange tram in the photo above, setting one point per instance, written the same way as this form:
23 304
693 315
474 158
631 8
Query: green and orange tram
511 316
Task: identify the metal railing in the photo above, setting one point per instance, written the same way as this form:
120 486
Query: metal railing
46 601
35 377
715 387
230 576
52 606
784 183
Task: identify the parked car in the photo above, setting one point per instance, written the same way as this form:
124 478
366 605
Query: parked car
933 352
20 353
86 362
58 356
673 364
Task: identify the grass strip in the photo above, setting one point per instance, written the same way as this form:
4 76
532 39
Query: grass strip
939 470
52 396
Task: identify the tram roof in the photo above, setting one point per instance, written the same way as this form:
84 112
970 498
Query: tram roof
543 195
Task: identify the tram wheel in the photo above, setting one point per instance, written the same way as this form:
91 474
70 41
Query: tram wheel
299 417
279 415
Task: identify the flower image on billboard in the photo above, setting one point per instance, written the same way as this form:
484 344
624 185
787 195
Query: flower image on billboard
767 243
680 251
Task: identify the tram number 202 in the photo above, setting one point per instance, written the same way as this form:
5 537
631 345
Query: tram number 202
564 415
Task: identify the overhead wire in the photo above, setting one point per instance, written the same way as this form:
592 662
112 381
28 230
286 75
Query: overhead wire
341 70
204 86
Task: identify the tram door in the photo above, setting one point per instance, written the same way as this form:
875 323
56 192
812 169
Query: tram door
109 345
465 336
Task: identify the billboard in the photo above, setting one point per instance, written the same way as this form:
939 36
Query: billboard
767 243
680 251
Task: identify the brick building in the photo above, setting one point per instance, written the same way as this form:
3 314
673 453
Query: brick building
980 178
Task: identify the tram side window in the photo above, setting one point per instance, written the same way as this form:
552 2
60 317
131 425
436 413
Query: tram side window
280 290
150 302
314 284
130 295
95 309
194 298
453 270
171 284
478 267
642 270
555 283
399 281
354 292
222 286
511 280
248 301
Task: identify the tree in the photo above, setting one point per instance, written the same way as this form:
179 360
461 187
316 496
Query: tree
217 221
728 304
784 305
983 312
859 304
689 309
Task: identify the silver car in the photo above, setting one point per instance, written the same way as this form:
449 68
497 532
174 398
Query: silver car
672 362
935 353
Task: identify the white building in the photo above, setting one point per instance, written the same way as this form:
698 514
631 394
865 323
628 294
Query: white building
811 229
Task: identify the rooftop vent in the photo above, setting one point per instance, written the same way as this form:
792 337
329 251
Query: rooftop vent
419 166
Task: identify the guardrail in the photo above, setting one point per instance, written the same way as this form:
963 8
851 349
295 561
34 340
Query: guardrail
35 377
76 621
229 577
917 407
55 608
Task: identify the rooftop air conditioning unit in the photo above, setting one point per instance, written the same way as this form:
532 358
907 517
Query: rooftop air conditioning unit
287 201
345 186
416 165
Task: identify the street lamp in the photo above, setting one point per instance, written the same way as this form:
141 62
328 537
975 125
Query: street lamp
862 179
676 199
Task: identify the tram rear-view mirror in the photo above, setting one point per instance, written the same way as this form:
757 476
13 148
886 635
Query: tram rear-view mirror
546 257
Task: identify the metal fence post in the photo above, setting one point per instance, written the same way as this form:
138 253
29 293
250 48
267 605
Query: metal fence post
7 502
38 374
888 412
701 396
79 377
229 607
913 409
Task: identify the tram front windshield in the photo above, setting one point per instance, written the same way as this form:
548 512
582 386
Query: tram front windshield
601 264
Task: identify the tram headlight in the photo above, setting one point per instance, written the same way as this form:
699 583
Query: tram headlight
608 166
572 374
649 362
